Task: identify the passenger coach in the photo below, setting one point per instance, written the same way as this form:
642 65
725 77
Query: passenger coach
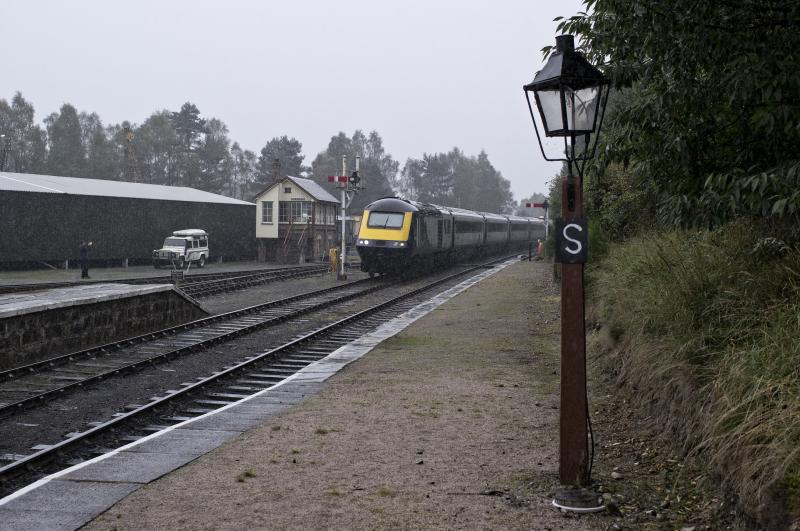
403 236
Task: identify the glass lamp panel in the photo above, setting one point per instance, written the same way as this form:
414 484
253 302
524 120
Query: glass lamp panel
549 103
582 109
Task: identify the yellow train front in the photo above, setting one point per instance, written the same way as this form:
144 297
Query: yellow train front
384 243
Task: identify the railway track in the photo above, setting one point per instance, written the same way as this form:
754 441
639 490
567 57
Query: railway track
212 282
25 386
208 286
230 384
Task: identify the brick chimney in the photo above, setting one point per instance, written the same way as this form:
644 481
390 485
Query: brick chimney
276 170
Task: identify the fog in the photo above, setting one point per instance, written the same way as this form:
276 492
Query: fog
428 76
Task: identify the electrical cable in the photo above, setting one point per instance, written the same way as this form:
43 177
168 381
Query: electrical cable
591 437
586 401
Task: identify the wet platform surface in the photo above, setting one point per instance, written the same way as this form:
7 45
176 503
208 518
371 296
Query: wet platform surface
14 304
118 273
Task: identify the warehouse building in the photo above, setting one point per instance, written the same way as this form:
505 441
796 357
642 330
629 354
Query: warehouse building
44 218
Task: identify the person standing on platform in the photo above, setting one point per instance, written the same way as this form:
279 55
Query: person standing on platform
85 246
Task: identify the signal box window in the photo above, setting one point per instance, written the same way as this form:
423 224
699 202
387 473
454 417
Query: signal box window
266 211
287 190
385 220
294 211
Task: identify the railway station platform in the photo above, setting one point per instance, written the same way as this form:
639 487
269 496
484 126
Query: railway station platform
38 325
446 418
116 273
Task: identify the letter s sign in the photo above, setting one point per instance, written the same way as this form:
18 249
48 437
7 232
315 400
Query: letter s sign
571 236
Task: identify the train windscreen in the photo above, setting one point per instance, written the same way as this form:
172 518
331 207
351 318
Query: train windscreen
385 220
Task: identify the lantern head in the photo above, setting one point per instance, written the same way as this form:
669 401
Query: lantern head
570 95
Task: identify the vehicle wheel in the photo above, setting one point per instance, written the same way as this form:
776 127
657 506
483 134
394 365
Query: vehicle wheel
202 262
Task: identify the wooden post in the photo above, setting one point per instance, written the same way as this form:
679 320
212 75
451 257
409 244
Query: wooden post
573 464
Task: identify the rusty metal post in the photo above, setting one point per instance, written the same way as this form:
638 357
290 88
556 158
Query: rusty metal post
573 463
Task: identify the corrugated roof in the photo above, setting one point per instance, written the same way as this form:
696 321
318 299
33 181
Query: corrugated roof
313 189
26 182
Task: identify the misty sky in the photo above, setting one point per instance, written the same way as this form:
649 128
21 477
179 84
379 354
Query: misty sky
427 75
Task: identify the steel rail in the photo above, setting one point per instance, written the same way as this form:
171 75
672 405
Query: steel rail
47 454
11 408
232 283
189 278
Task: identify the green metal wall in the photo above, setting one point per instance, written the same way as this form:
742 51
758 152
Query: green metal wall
49 227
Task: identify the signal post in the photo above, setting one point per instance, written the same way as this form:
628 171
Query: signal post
349 186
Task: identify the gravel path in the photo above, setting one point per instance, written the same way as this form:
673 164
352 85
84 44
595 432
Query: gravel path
452 424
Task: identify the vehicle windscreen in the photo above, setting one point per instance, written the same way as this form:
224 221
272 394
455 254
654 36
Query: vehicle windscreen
174 242
385 220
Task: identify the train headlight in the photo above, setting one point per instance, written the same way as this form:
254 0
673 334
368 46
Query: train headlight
363 242
399 244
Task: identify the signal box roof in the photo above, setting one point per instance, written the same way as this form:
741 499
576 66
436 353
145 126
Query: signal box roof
311 187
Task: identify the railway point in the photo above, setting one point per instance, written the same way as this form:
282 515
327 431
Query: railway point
444 418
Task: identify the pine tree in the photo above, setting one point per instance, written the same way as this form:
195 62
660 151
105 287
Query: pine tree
67 155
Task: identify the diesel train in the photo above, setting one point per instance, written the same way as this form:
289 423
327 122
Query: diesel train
401 236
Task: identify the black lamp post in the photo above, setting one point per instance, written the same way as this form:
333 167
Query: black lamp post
570 96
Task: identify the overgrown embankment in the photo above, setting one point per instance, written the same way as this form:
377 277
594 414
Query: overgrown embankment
705 327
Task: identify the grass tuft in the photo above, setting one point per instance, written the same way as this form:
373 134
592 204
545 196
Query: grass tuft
385 492
249 473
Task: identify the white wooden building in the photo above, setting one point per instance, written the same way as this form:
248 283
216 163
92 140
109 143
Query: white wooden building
295 221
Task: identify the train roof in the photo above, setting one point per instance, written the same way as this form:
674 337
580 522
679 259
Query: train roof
431 209
494 218
460 213
397 204
392 204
